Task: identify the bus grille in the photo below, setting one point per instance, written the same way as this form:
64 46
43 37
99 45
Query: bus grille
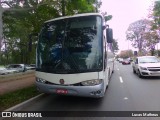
77 84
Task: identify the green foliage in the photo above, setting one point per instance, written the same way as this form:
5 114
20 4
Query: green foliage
10 99
126 54
142 36
107 18
115 45
152 38
135 33
156 15
25 18
79 6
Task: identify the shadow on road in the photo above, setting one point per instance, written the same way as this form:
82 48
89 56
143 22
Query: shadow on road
72 103
151 78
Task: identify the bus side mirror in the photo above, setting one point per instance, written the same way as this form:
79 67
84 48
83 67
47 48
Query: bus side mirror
109 34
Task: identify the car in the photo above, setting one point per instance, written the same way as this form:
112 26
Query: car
120 60
33 65
126 62
146 66
30 67
18 67
5 71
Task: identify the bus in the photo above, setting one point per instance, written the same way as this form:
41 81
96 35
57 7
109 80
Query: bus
74 56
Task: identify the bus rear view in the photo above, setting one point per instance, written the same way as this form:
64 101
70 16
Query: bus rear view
71 58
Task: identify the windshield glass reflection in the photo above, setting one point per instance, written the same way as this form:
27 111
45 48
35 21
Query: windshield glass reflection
71 46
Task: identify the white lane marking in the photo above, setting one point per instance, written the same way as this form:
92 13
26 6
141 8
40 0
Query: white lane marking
121 80
117 68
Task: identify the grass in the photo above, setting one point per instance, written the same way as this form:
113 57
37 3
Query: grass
13 98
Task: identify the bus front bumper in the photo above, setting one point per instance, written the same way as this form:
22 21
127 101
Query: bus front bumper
85 91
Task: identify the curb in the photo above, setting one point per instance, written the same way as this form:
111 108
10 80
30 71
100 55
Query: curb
21 105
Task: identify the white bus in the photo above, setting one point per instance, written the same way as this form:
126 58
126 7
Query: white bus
72 56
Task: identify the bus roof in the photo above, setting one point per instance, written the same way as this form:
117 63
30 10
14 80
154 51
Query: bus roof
77 15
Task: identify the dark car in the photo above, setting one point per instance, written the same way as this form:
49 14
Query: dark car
126 62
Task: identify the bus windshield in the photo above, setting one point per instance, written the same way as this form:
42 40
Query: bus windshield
71 45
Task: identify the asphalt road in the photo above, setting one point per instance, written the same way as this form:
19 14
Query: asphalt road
126 92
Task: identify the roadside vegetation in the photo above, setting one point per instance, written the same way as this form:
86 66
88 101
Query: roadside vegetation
13 98
1 66
22 20
10 99
144 34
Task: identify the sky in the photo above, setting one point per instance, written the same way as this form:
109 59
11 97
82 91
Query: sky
125 12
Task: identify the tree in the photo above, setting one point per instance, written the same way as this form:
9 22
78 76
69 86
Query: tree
155 15
126 54
156 19
151 39
26 17
115 45
135 34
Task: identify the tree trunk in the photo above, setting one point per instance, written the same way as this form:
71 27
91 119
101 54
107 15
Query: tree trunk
63 7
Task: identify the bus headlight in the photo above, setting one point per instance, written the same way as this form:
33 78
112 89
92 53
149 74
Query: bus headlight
40 80
91 82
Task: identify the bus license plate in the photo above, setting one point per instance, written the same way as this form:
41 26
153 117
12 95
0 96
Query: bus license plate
61 91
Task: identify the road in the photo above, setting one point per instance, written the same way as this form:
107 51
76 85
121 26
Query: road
126 92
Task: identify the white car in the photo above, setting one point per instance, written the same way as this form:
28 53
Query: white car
146 66
5 71
30 67
17 67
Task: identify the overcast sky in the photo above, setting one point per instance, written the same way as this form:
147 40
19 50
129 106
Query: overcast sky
125 12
